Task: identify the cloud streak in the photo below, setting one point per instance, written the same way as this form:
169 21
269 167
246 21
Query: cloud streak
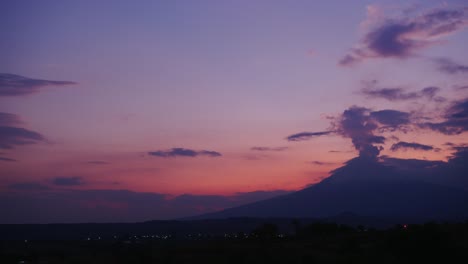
16 136
269 148
411 145
7 119
7 159
307 135
399 94
448 66
182 152
455 120
11 136
16 85
320 163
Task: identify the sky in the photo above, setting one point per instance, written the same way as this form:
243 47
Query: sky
138 110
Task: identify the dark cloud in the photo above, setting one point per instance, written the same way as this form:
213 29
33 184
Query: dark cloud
97 162
448 66
392 118
68 181
182 152
320 163
386 41
455 119
11 136
411 145
6 159
398 94
7 119
16 136
269 148
209 153
307 135
458 110
403 38
454 146
340 151
16 85
28 186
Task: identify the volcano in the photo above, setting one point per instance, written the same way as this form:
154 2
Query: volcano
365 187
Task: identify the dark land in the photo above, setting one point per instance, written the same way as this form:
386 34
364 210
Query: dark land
240 240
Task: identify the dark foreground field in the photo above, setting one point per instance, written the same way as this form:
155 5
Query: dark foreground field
314 243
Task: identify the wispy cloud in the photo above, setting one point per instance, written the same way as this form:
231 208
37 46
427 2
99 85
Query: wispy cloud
182 152
404 37
320 163
411 145
269 148
455 119
398 94
16 136
461 87
11 136
340 151
7 119
307 135
16 85
449 66
7 159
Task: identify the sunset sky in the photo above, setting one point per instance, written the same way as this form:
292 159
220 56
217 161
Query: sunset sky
201 105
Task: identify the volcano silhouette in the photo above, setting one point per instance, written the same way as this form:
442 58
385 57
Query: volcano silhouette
364 187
